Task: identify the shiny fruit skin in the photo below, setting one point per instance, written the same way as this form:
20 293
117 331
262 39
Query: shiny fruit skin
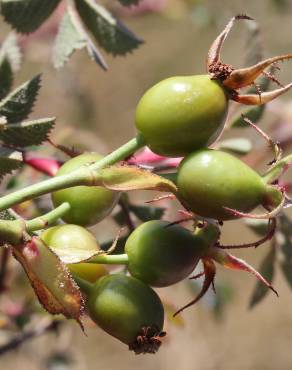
88 271
69 237
162 255
75 237
182 114
209 180
122 305
89 204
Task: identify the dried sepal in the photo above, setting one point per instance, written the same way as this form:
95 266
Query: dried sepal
269 235
209 273
229 261
234 79
50 279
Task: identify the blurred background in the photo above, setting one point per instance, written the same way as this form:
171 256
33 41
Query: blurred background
95 111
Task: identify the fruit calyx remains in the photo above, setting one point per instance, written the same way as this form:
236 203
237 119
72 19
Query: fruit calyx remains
217 253
147 341
234 79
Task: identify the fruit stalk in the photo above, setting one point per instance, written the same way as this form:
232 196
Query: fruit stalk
118 259
79 177
278 169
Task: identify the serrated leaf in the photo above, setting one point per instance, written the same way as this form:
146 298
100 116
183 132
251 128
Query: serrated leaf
27 133
27 15
145 213
50 279
10 160
6 77
129 2
109 32
7 215
71 37
127 178
266 269
68 40
19 103
11 50
237 146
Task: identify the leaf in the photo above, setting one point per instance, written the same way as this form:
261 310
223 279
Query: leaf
7 215
50 279
126 178
27 15
68 40
266 269
19 103
129 2
10 160
71 37
145 213
109 32
6 77
27 133
11 50
237 146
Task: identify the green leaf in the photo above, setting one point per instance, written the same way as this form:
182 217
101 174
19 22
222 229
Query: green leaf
19 103
10 59
10 160
109 32
68 40
127 178
6 77
237 146
129 2
266 269
144 213
27 15
27 133
50 279
7 215
71 37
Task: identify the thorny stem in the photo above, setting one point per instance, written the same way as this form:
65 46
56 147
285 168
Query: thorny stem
48 218
115 259
82 176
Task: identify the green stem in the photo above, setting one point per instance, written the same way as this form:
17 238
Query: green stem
84 285
110 259
82 176
47 219
276 171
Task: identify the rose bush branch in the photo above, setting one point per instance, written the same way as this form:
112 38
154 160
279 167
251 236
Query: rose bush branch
83 176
